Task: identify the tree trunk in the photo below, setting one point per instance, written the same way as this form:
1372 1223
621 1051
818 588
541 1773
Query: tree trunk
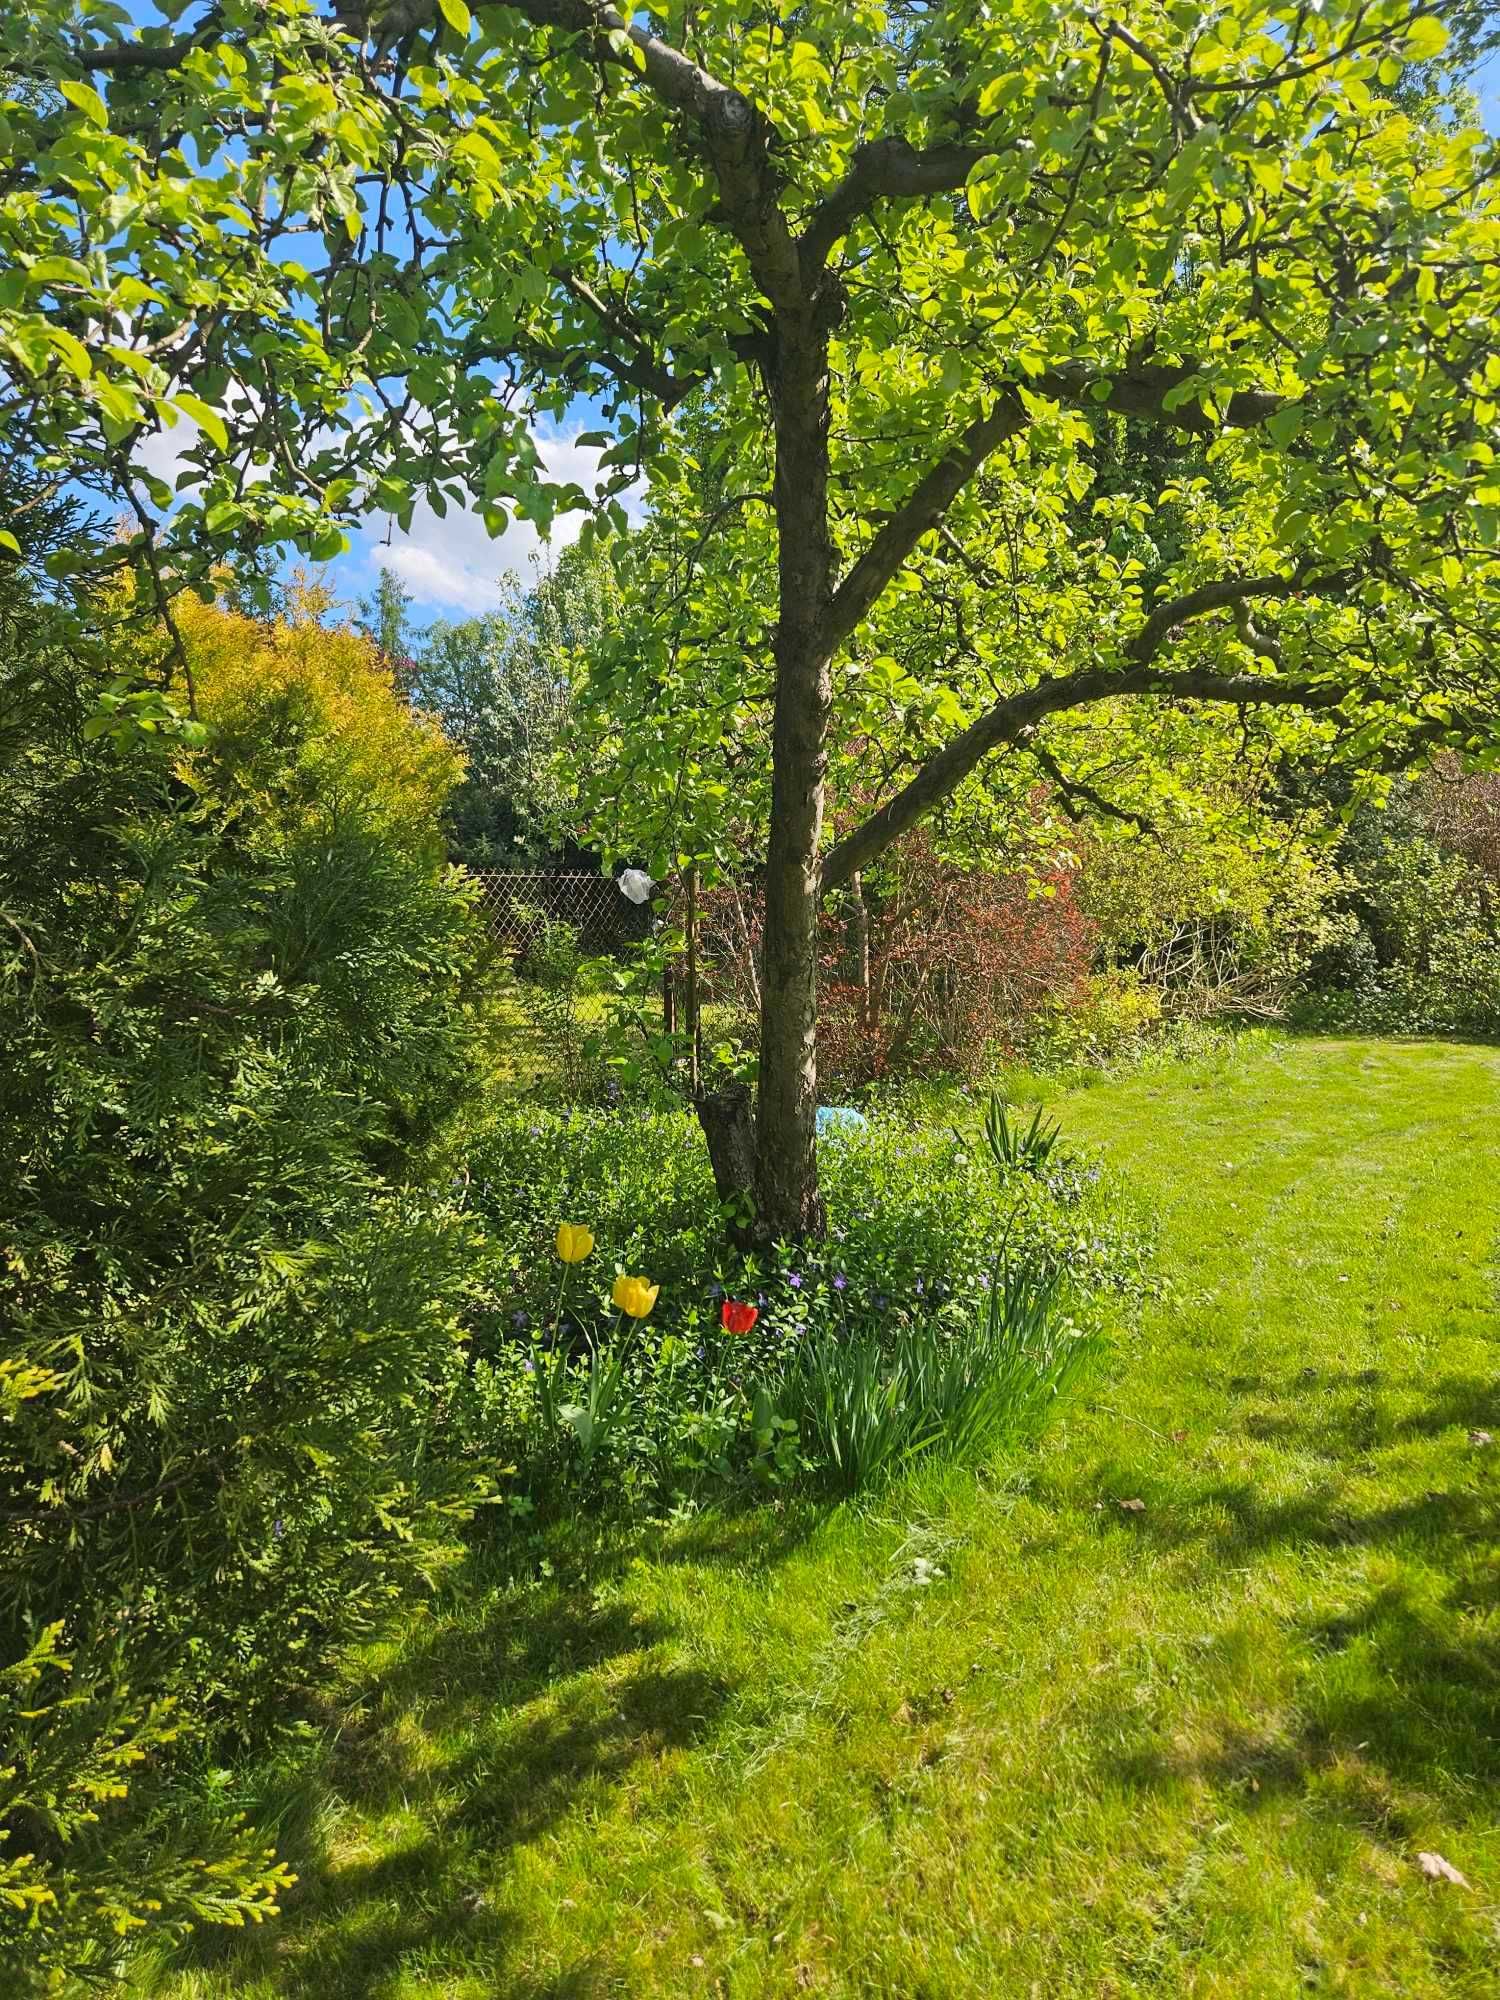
786 1124
728 1123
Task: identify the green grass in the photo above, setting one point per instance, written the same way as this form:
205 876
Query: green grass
1005 1737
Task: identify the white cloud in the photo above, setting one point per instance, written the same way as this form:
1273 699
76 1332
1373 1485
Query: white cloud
164 452
453 564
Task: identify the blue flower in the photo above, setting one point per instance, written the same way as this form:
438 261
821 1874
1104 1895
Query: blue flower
839 1281
519 1321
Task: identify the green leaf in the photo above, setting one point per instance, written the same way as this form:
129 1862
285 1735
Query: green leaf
457 15
1427 38
8 541
87 100
206 417
57 271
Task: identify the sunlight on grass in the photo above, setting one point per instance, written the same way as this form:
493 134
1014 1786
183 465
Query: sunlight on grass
1004 1736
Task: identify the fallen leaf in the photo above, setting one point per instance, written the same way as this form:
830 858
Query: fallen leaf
1480 1438
1436 1869
1131 1506
903 1714
1179 1437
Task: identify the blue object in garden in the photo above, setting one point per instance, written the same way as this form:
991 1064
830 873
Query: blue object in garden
839 1118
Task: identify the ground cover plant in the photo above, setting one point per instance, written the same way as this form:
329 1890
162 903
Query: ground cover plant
1200 1701
995 1260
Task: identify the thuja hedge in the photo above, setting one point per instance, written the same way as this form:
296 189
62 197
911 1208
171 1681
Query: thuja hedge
239 1009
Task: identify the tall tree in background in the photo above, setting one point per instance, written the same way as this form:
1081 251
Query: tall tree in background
903 249
502 685
385 617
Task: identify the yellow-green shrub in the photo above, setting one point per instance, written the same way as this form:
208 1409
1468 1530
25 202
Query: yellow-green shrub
305 713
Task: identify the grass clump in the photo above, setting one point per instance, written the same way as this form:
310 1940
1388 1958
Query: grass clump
863 1409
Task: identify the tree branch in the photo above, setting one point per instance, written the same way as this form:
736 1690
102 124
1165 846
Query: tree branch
1079 788
1227 591
115 56
1137 392
880 168
920 513
1141 391
1013 719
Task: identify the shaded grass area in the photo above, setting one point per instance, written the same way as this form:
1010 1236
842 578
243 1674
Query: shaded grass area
1008 1736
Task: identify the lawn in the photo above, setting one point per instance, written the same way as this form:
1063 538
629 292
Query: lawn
1171 1707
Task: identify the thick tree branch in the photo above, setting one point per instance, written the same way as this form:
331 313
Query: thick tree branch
1227 591
1137 392
920 513
1141 390
879 169
1013 719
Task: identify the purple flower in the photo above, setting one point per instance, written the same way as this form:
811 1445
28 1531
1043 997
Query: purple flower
530 1367
839 1281
794 1279
278 1529
760 1300
920 1288
519 1321
881 1302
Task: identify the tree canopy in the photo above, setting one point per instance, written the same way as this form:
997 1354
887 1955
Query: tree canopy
929 267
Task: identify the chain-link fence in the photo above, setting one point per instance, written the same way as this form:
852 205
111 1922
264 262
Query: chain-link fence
554 927
521 908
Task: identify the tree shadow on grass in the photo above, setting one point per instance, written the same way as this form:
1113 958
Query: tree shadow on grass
483 1734
1398 1693
1397 1711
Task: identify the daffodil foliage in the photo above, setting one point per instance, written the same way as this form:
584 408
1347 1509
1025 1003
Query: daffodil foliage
927 273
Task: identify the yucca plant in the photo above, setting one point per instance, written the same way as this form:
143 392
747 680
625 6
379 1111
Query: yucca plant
1018 1149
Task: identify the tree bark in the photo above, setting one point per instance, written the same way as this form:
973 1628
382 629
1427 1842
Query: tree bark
786 1123
728 1122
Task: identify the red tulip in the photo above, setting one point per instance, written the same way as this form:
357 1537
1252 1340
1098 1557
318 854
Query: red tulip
737 1316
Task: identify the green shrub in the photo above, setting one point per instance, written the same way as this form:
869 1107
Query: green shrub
237 1013
1422 951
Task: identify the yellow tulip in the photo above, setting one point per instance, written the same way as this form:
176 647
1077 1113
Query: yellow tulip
574 1242
634 1296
